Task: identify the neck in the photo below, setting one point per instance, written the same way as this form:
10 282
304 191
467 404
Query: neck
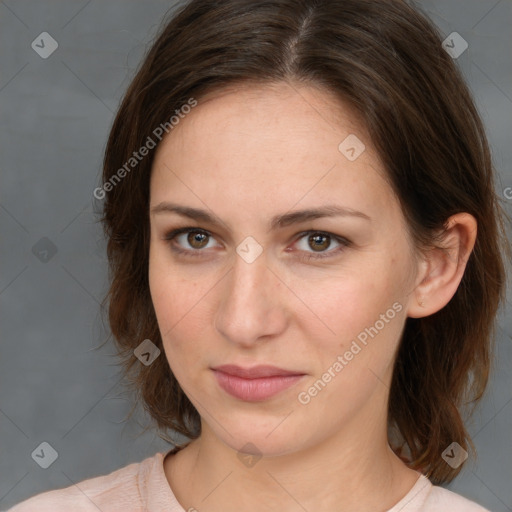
354 469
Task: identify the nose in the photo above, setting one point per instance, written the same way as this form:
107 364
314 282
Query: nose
252 307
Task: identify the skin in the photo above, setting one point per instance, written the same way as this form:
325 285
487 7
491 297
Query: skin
246 155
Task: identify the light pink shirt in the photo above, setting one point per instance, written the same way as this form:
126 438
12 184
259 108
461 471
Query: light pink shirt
143 487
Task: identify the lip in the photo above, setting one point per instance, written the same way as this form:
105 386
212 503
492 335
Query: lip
256 372
257 383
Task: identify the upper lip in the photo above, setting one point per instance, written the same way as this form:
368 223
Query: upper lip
254 372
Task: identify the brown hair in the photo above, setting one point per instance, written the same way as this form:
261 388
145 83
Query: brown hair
385 59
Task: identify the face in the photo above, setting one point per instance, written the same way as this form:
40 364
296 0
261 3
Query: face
248 281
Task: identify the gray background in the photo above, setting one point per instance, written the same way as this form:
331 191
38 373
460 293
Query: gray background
59 381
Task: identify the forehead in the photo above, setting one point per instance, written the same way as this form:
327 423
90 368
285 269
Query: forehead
269 147
266 109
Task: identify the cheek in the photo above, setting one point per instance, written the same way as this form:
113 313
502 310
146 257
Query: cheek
181 308
364 314
172 296
355 363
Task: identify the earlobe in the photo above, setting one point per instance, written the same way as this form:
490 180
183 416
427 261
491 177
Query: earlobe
444 266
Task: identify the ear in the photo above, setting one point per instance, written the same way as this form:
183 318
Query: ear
441 270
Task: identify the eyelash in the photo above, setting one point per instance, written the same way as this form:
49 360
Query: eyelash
169 237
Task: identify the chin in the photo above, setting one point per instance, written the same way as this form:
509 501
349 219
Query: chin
266 436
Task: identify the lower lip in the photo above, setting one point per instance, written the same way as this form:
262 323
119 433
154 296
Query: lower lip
255 390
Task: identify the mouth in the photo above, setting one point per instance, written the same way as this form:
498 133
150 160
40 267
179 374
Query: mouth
257 383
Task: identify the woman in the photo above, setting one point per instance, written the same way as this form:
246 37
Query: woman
298 198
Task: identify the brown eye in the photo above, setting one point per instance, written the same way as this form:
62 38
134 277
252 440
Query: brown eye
319 242
189 241
316 245
197 239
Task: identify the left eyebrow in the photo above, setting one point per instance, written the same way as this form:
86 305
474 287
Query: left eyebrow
296 217
278 221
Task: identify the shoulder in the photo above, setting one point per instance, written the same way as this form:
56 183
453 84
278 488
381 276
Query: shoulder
440 499
425 497
116 491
